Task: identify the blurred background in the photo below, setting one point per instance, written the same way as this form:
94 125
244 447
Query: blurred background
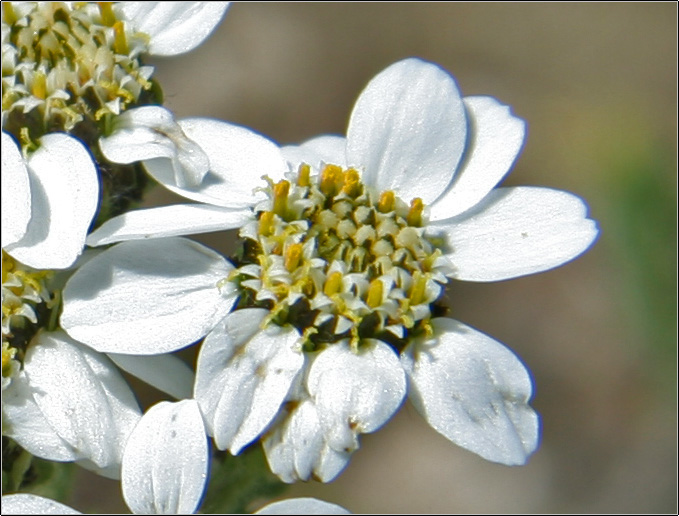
597 84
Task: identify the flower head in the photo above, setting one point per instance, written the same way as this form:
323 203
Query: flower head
348 245
74 67
70 62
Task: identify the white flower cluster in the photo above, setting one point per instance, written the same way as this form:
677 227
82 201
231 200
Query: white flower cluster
327 318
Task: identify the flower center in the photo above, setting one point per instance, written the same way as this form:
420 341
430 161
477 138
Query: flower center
26 306
63 65
337 260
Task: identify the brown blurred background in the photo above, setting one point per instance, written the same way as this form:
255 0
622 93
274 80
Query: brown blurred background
597 84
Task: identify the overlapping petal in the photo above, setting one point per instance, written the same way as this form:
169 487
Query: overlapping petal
82 397
495 138
168 221
408 130
147 296
327 148
243 375
297 447
165 465
64 196
474 391
174 27
16 192
355 391
516 231
24 422
151 133
239 158
166 373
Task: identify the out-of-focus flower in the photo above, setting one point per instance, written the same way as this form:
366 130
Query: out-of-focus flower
76 61
348 246
73 67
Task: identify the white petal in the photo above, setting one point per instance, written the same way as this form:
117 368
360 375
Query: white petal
16 192
355 392
408 129
474 391
152 133
296 448
238 158
243 375
295 441
146 297
517 231
82 395
302 506
164 221
22 503
495 139
174 27
65 193
24 422
167 373
165 464
316 151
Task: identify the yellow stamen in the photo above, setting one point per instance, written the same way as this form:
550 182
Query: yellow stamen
375 289
386 203
280 198
417 291
333 284
39 87
303 175
414 217
266 223
8 15
120 41
332 179
352 183
8 354
293 255
108 18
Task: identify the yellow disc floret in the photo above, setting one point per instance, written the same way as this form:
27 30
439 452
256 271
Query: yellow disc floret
338 260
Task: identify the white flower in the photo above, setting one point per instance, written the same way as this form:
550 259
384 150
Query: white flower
62 400
48 200
349 244
165 466
94 50
63 62
166 462
22 503
69 403
85 67
56 392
